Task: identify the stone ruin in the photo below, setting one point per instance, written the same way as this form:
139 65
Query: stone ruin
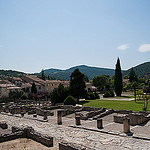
71 146
27 132
136 118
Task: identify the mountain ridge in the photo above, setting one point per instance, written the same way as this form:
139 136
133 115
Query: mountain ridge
141 70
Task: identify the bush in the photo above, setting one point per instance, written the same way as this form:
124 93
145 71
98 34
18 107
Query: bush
24 96
96 95
91 96
70 101
112 93
107 94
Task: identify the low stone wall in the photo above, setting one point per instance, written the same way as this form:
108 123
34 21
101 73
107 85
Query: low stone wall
13 136
27 132
91 113
40 112
123 111
91 108
119 119
108 112
70 146
135 118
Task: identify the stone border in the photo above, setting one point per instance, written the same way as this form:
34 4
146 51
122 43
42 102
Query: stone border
71 146
27 132
136 136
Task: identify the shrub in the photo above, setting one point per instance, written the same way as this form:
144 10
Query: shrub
91 96
112 93
70 101
107 94
96 95
24 96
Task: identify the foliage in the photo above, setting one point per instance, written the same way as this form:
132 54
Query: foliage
139 93
109 94
24 96
16 94
92 96
59 94
140 70
43 75
70 101
33 88
126 77
118 79
134 86
145 98
77 84
90 72
86 79
101 81
10 73
132 76
96 95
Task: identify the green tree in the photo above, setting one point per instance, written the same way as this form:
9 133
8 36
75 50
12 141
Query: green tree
59 94
86 79
33 88
77 84
118 79
126 77
101 81
134 86
48 77
42 75
132 76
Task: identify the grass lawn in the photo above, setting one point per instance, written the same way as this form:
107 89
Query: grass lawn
115 104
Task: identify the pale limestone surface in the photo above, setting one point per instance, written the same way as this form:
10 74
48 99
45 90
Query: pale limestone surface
91 139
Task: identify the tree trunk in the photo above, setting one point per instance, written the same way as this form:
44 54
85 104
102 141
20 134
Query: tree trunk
135 93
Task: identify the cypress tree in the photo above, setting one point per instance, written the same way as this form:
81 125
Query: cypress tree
43 75
118 79
33 88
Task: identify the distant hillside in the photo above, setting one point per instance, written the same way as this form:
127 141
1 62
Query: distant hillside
11 73
140 70
88 71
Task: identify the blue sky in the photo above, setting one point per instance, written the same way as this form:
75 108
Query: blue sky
36 34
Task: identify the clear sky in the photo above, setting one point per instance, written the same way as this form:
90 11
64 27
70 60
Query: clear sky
36 34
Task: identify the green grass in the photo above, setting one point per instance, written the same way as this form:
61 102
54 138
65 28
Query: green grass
116 104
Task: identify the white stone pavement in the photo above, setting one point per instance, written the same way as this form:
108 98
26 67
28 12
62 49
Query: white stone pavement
91 139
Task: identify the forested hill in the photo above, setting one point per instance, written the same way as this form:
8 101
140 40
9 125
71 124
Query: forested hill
88 71
11 73
140 70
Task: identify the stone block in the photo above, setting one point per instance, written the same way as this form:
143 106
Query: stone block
3 125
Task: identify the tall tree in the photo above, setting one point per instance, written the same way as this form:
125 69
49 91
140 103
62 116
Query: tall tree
77 84
118 79
42 75
132 76
33 88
